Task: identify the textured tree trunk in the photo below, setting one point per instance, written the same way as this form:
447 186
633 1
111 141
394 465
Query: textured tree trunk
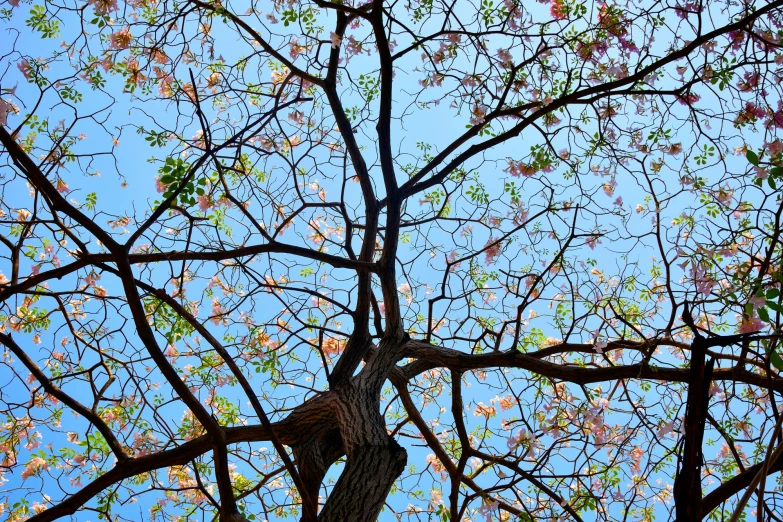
313 460
365 483
687 484
374 459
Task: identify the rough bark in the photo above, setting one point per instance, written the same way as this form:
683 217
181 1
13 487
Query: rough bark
687 485
313 459
365 482
375 460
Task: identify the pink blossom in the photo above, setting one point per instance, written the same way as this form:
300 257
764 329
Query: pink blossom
558 9
704 282
218 313
683 9
144 443
6 108
438 467
470 81
666 428
506 403
776 119
159 185
636 457
295 49
159 57
688 99
479 111
354 47
107 63
25 68
121 39
488 508
35 465
504 56
484 411
492 250
751 325
335 40
204 203
775 148
103 6
165 86
724 196
749 81
592 241
522 437
190 91
517 169
332 346
757 301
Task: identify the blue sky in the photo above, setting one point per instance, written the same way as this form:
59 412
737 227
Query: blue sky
133 191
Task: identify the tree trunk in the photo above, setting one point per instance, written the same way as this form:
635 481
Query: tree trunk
313 459
375 460
687 484
365 483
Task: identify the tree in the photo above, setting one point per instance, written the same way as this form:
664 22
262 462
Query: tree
450 260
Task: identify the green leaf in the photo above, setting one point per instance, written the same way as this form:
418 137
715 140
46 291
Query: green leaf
752 157
776 361
772 293
763 314
773 305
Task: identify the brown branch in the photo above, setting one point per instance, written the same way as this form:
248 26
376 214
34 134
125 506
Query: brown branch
687 484
309 505
52 389
736 484
244 251
417 184
311 419
222 11
40 182
34 280
429 357
400 385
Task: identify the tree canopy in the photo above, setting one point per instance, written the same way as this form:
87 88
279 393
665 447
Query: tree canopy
409 260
